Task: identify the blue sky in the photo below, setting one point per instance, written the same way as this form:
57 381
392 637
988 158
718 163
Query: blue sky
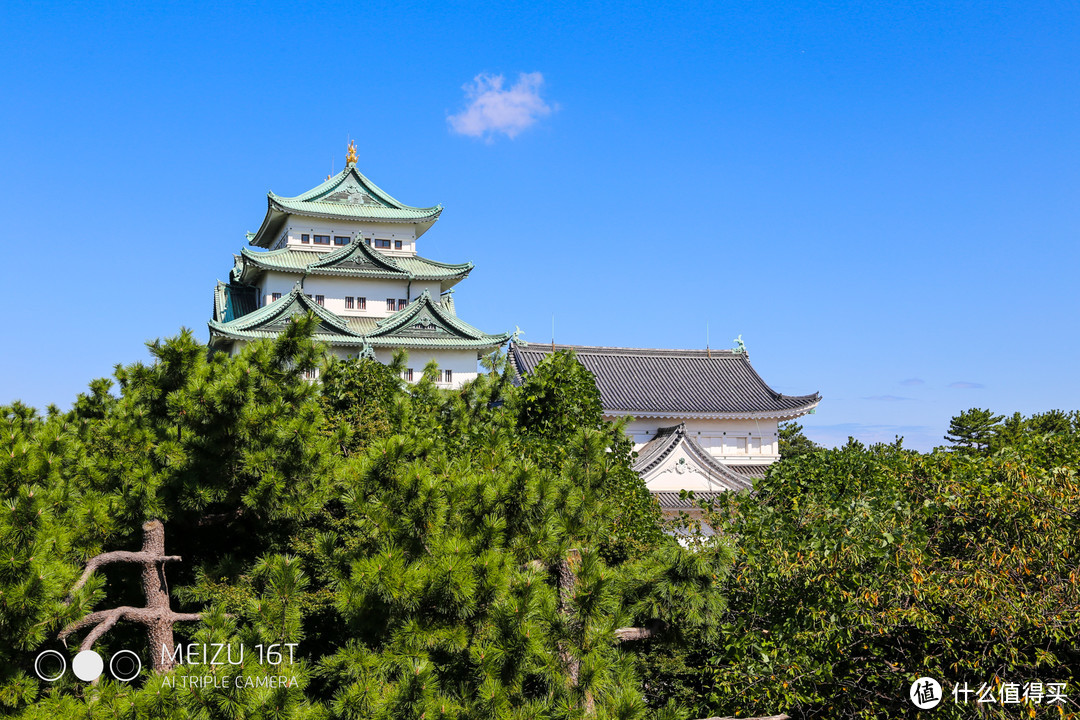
882 199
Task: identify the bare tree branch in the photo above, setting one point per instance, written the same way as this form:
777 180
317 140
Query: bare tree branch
114 557
157 617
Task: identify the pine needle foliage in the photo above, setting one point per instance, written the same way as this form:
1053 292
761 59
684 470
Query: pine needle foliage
433 553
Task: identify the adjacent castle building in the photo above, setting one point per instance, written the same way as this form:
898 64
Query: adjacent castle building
347 251
701 420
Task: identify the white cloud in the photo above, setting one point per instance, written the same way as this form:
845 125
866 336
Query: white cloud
492 109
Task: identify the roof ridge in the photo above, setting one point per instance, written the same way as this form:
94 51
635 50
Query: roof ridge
671 352
320 191
356 246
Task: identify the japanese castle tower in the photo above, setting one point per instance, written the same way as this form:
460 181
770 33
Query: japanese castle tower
702 420
346 251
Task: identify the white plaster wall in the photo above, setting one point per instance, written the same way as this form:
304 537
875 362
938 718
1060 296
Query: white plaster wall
461 362
297 226
334 290
743 442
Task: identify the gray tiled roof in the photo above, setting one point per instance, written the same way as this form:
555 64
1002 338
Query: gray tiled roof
750 471
672 500
676 381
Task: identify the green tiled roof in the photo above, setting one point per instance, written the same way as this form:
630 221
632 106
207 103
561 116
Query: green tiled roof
425 323
270 320
356 259
233 300
346 196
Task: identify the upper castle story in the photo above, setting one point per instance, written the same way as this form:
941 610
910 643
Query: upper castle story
347 207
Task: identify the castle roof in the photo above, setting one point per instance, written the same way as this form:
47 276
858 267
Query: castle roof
674 383
427 323
357 259
349 195
272 319
424 323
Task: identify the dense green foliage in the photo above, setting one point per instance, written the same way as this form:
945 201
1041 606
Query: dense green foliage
458 554
861 569
793 441
472 553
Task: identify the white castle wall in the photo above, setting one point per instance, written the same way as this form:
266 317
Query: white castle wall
741 442
462 363
297 226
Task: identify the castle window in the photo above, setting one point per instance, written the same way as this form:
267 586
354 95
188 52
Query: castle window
338 240
305 239
275 296
367 241
320 299
397 244
322 239
390 305
407 375
382 243
348 302
448 376
402 303
361 303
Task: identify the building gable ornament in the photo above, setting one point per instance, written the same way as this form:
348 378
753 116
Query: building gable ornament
682 467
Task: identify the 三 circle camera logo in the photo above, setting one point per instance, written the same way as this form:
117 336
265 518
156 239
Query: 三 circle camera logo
51 665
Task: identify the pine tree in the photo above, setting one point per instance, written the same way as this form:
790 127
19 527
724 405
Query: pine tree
485 552
972 431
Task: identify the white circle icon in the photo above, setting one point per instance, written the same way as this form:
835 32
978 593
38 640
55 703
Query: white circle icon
125 665
925 693
59 659
87 665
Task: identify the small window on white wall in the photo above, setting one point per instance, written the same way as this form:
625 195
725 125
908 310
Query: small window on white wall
448 376
275 296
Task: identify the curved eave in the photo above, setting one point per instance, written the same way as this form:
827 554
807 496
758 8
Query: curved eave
277 213
490 342
424 217
217 330
780 414
254 263
271 225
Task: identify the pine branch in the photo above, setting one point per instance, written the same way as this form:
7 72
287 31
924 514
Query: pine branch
157 617
654 628
114 557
